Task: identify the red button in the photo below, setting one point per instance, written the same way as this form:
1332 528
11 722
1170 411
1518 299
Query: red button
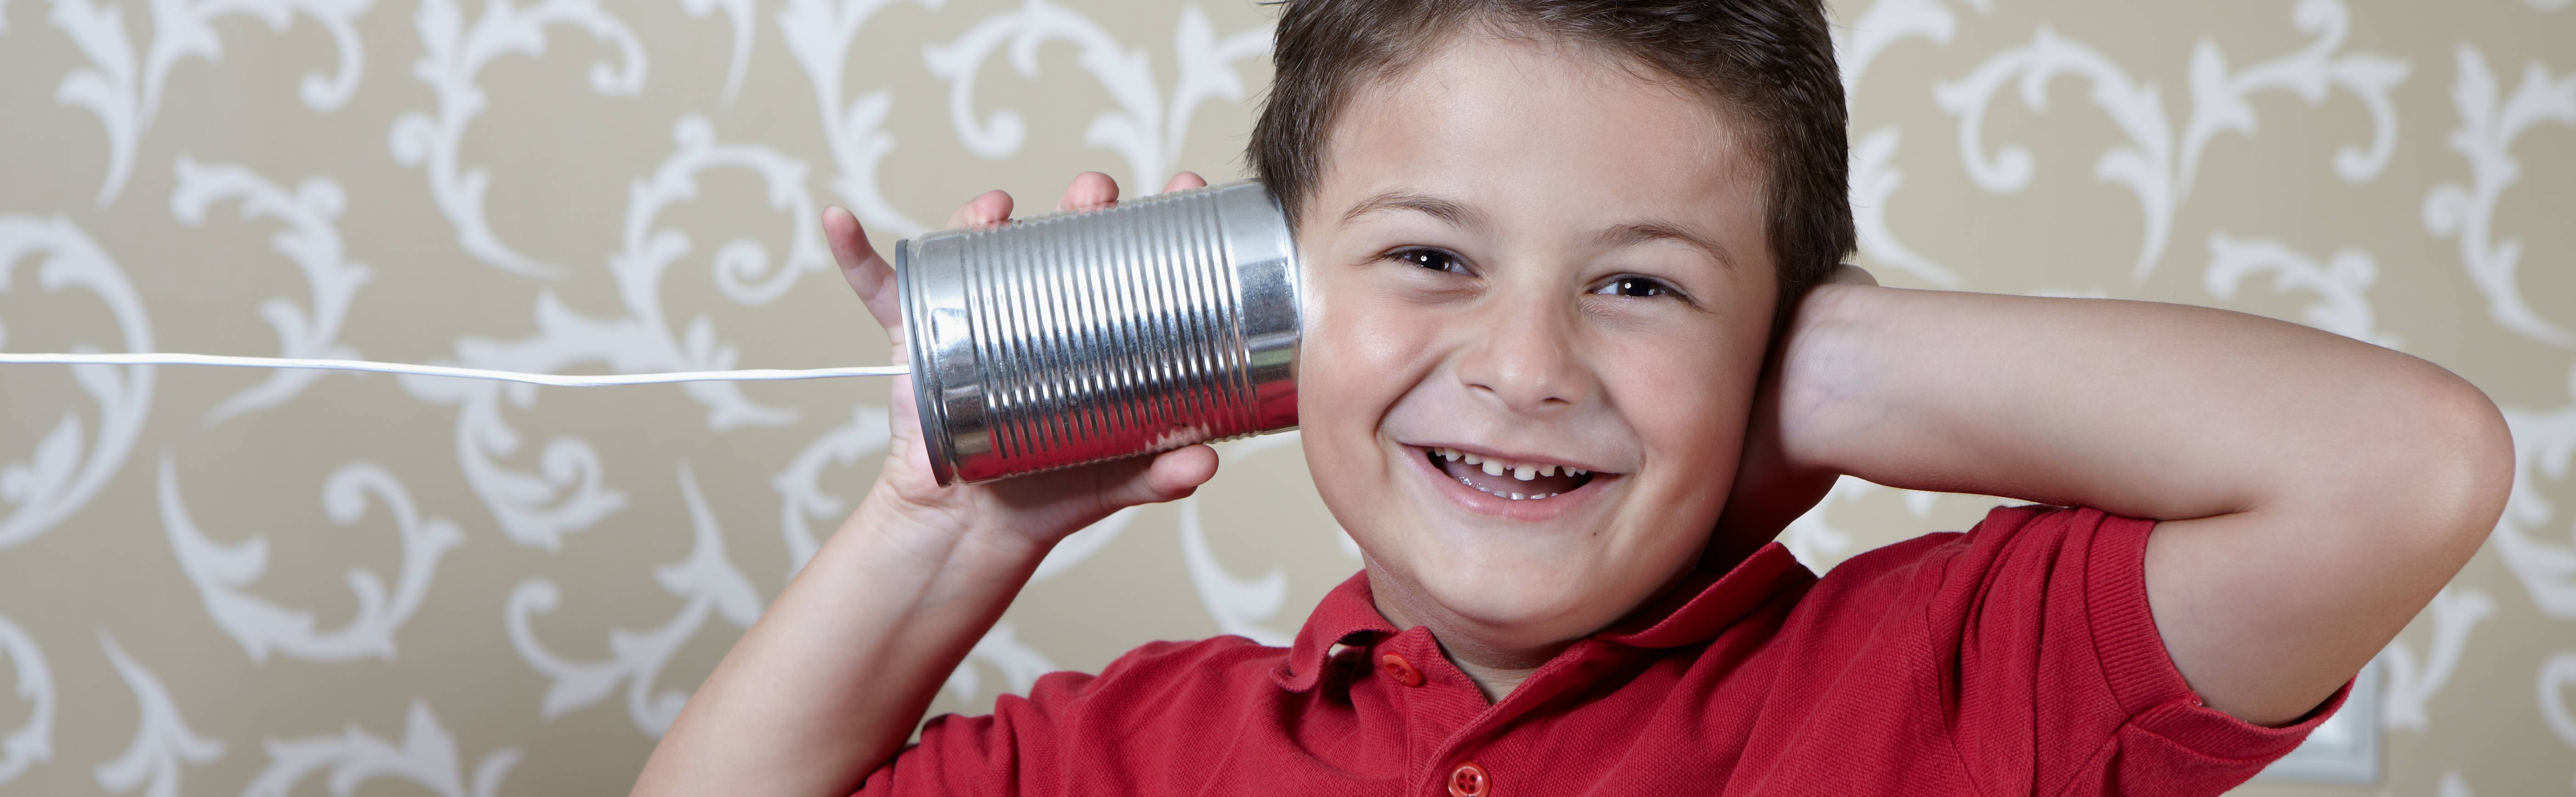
1469 780
1400 670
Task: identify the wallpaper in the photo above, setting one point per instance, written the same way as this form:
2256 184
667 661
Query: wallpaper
219 581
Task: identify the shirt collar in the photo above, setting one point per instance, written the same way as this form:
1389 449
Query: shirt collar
1693 611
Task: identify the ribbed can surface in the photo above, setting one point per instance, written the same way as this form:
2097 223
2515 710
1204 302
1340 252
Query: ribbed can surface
1073 338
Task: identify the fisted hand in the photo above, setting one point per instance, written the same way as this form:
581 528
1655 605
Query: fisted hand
1039 508
1770 489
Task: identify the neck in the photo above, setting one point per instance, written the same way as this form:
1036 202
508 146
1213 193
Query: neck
1495 672
1496 669
1478 650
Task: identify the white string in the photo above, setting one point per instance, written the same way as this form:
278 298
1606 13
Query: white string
556 380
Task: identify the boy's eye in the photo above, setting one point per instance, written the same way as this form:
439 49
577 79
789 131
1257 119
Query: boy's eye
1634 286
1432 259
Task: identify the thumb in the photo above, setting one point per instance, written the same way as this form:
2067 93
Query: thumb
1848 274
868 273
1172 476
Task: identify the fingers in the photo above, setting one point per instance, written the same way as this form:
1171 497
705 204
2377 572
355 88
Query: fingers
867 273
1174 475
872 278
1089 191
1848 274
985 210
1094 190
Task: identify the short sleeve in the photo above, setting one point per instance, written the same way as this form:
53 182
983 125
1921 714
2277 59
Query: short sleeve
2062 684
1125 731
987 754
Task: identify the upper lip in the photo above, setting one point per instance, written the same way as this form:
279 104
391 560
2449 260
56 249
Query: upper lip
1485 452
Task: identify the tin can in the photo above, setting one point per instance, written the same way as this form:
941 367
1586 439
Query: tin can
1074 338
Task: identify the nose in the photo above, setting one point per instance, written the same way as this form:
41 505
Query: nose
1527 360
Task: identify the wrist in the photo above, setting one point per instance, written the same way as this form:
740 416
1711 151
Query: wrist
1828 376
1834 302
944 539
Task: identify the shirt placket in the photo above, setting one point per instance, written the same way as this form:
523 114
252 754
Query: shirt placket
1434 699
1455 740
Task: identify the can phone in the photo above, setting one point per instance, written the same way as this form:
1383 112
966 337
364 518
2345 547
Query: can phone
1058 341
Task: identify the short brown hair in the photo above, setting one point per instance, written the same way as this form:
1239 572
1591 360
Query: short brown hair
1769 63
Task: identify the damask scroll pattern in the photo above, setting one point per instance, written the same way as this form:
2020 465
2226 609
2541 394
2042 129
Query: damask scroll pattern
543 487
163 743
706 581
426 757
452 64
2490 123
2159 164
311 213
569 494
32 742
124 90
223 573
68 467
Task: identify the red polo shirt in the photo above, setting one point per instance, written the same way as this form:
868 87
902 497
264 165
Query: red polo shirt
2015 658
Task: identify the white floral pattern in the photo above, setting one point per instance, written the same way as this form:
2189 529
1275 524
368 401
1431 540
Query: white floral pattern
709 583
520 191
453 63
59 478
33 742
163 744
2153 165
312 239
223 572
2489 124
426 757
126 94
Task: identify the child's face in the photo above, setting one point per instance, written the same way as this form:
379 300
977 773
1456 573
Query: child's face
1524 251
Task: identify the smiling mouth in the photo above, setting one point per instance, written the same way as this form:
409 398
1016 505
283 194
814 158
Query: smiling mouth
1517 481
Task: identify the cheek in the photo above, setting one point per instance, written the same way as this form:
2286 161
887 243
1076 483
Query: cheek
1361 350
1360 353
1688 399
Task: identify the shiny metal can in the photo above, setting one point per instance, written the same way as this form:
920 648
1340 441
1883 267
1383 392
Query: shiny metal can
1073 338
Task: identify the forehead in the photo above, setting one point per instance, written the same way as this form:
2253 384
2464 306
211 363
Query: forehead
1539 125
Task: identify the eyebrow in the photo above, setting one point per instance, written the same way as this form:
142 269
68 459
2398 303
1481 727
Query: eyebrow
1450 211
1647 232
1461 215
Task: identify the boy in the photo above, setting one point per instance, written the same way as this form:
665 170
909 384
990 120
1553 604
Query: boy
1568 367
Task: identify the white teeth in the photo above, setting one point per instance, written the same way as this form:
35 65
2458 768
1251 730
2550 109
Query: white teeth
1516 496
1493 466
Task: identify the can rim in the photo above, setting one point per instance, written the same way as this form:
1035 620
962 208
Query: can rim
931 415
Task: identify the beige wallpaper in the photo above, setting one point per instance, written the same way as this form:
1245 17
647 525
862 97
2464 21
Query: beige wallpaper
219 581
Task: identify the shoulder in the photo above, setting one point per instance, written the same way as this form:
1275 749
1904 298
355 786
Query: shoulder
2013 538
1161 676
1123 720
2027 557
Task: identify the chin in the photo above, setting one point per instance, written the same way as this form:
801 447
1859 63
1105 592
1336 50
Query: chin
1515 598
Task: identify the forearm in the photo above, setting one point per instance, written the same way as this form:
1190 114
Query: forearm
2142 409
829 683
2313 491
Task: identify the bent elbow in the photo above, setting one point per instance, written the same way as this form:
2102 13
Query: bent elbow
2459 466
